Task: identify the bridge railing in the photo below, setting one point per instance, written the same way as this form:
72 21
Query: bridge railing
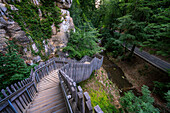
18 96
69 74
82 70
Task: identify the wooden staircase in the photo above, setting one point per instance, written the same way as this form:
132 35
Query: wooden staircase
49 98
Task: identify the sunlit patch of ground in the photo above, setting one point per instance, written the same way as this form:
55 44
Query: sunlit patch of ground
102 91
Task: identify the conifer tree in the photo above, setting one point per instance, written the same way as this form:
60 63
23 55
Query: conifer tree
12 66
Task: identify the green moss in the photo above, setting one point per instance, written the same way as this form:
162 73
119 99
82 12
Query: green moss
101 98
28 18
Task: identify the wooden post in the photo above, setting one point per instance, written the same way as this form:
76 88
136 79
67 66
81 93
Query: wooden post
16 86
47 70
80 89
13 88
88 107
9 91
80 103
86 96
97 109
4 93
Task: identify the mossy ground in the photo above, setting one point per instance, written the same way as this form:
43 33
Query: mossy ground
102 91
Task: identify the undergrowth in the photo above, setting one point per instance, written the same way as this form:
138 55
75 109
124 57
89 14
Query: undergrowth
98 95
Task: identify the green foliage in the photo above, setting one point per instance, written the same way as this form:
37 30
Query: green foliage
38 28
160 88
100 98
141 104
111 43
139 22
167 97
83 42
12 67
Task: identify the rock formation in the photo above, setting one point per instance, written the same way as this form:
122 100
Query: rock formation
11 30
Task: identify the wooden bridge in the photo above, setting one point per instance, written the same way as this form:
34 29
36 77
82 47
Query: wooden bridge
51 88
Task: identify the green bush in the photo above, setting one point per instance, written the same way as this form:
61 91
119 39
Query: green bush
141 104
167 97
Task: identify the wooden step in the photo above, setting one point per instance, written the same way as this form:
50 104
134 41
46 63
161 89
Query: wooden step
51 80
37 99
61 108
58 104
50 90
50 98
46 88
46 84
44 103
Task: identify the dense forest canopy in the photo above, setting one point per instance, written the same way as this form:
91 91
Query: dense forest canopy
144 23
141 23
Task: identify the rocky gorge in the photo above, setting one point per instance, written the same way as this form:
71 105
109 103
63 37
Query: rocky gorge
11 30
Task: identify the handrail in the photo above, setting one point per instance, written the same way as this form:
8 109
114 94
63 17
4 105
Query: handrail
13 94
65 95
82 104
26 89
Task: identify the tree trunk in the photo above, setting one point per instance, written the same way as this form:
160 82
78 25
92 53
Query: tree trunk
132 51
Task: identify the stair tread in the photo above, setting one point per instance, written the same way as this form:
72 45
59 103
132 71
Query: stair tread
39 98
62 110
49 98
49 106
55 108
37 106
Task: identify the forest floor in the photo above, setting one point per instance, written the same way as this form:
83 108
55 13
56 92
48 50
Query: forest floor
102 91
138 72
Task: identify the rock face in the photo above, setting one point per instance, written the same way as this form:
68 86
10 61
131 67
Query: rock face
60 39
11 30
64 4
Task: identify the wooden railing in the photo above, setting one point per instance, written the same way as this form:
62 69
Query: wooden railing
82 70
18 96
72 73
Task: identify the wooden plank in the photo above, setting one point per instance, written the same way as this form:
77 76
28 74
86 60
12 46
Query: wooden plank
16 107
80 89
22 83
3 105
80 103
86 96
97 109
9 91
18 103
16 86
4 93
13 88
88 107
9 110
